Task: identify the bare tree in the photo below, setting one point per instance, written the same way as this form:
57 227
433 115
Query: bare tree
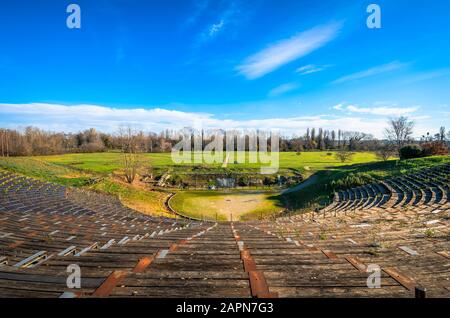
355 138
384 152
3 142
5 137
442 134
131 149
344 155
399 131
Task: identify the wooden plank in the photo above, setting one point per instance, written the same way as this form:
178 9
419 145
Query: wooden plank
15 244
404 280
444 254
87 249
143 264
33 259
173 247
341 292
194 274
330 254
357 263
181 292
109 284
249 262
258 285
408 250
68 251
162 253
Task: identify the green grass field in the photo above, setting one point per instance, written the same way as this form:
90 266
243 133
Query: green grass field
110 162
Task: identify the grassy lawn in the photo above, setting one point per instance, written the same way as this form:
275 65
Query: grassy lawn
110 162
223 206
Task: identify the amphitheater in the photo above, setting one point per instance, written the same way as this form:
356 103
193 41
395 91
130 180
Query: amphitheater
397 229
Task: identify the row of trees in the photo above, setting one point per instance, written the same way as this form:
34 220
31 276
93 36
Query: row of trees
34 141
329 140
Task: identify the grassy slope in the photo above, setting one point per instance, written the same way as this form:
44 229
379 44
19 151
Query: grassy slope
149 202
321 191
46 171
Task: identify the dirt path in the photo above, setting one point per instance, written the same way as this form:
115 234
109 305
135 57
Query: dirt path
225 163
311 180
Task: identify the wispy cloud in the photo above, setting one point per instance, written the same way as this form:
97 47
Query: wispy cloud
288 50
309 69
381 69
226 18
215 28
282 89
379 111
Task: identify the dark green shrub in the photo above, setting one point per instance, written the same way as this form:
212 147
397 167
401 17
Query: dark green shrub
410 152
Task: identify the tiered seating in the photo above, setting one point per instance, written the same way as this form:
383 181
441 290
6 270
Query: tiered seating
410 245
295 267
44 228
428 189
208 265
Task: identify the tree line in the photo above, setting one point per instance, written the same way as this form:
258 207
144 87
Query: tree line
33 141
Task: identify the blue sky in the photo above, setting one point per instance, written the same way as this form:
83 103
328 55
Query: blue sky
223 64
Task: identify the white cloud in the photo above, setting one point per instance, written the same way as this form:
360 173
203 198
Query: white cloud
338 106
381 69
79 117
288 50
57 117
379 111
383 111
309 69
284 88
